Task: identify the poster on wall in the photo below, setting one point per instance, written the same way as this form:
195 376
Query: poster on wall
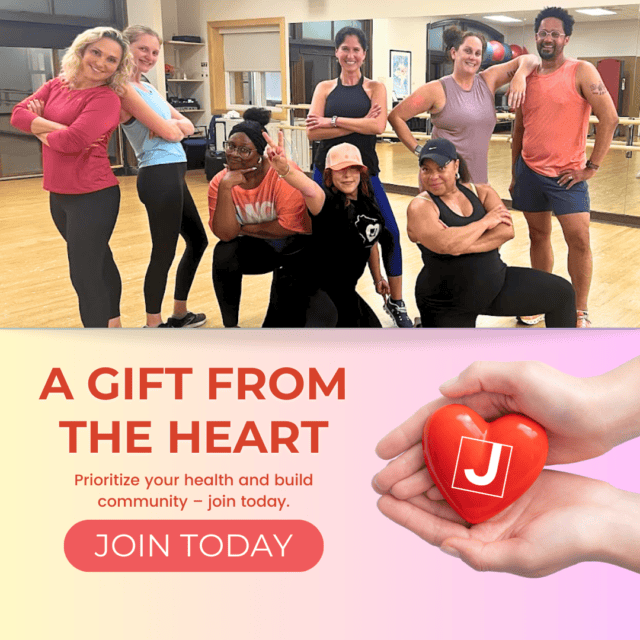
221 485
400 71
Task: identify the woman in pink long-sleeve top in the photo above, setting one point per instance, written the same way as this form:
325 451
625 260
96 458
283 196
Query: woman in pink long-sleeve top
74 116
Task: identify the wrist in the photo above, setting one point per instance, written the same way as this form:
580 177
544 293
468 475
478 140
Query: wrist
614 401
592 166
285 172
619 528
417 150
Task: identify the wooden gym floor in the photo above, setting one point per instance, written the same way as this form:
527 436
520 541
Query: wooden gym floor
36 291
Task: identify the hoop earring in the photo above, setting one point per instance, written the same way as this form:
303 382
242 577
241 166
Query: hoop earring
260 160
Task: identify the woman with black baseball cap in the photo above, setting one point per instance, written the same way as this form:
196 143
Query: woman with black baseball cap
459 228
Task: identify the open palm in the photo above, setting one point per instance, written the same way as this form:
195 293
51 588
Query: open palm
558 522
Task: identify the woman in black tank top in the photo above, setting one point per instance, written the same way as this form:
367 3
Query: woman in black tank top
353 109
459 230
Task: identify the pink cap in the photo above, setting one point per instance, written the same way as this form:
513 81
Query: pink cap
342 156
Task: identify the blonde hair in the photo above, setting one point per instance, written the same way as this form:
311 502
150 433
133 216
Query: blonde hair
136 31
73 57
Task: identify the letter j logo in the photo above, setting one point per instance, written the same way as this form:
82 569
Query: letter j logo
482 467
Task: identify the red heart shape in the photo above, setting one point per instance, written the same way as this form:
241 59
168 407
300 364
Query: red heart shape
482 467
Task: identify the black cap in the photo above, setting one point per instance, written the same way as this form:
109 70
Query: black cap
439 150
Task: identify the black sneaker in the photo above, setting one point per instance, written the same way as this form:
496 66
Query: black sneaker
164 325
191 321
398 312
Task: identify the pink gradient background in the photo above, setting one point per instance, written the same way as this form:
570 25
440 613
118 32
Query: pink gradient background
375 580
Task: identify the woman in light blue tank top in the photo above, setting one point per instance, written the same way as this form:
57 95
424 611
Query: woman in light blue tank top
154 129
462 105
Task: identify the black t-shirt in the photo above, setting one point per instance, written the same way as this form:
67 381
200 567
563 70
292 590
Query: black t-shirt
342 239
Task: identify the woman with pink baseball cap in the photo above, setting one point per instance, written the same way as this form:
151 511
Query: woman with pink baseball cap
347 225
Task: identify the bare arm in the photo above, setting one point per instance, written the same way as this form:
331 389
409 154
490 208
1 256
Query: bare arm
590 85
225 225
429 96
424 226
374 264
596 94
266 230
222 215
379 281
319 127
134 106
501 233
516 145
514 71
311 192
183 122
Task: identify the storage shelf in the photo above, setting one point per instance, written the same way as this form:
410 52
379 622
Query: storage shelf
179 43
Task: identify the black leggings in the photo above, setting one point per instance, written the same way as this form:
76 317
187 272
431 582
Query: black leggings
172 212
245 255
86 222
348 310
525 292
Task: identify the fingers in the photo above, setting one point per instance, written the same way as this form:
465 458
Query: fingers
432 528
408 433
515 99
512 556
492 377
439 509
267 137
570 178
403 467
419 483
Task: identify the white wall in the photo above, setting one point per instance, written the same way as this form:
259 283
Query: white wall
149 13
309 10
396 25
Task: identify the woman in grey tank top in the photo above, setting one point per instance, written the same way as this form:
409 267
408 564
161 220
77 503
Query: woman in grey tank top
462 105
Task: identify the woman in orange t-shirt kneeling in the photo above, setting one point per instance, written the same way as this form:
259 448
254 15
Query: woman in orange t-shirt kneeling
262 223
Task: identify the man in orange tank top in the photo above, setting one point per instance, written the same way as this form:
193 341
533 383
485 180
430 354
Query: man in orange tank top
550 168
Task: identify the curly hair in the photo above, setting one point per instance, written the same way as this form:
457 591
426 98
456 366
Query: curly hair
454 37
73 57
555 12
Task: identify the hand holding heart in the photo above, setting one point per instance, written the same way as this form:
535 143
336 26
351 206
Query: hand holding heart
542 532
561 519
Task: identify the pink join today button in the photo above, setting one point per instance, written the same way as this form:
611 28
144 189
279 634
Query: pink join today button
193 545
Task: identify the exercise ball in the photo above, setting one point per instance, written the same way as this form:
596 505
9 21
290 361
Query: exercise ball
507 52
488 52
498 51
516 50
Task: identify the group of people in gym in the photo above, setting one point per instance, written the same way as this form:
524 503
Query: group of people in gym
317 235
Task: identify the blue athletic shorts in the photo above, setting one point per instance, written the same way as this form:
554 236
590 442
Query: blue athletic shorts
533 192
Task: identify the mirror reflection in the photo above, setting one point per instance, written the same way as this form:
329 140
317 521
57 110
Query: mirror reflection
609 40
